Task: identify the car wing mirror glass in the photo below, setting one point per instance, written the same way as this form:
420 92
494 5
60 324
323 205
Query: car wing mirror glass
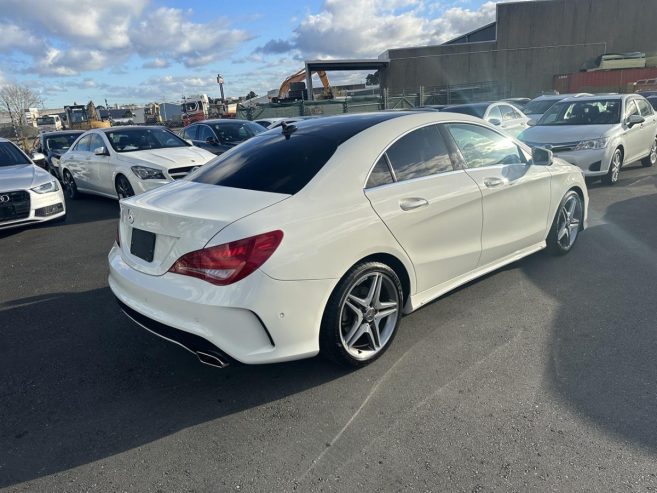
101 151
635 120
37 156
531 122
541 157
495 121
189 141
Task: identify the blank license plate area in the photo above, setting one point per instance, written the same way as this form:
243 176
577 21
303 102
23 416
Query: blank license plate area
142 244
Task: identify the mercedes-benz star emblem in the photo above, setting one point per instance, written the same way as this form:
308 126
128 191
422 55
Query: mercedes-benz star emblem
4 198
131 218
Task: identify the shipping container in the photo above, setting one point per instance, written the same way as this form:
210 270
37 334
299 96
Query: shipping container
601 80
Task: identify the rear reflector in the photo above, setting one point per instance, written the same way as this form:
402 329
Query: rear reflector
230 262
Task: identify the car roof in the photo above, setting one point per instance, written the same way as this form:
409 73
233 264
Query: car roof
128 127
2 139
221 120
610 97
546 97
63 132
482 104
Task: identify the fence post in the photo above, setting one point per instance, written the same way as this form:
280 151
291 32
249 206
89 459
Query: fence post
421 97
345 108
385 98
301 108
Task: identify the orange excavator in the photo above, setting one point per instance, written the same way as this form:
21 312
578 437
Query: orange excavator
293 87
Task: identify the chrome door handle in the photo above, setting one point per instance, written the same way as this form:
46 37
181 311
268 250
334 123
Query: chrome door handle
412 203
494 182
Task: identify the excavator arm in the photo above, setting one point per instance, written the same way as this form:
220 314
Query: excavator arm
301 76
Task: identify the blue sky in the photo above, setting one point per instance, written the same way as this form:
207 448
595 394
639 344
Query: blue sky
153 50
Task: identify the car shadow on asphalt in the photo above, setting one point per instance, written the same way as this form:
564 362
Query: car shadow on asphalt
604 340
88 208
93 384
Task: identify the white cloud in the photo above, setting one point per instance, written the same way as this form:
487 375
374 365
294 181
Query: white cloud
156 63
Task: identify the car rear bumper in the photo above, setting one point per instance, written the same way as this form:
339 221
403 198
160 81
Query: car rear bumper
256 320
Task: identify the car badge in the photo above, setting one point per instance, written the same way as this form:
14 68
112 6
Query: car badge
131 218
4 198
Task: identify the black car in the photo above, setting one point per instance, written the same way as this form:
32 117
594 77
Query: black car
217 136
652 100
53 145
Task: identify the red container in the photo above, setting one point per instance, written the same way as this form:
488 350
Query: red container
620 80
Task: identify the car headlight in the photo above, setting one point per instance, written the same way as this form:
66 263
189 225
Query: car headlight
146 173
51 186
589 145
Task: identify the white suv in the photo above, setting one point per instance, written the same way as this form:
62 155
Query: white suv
598 133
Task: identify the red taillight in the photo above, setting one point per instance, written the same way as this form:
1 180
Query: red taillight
230 262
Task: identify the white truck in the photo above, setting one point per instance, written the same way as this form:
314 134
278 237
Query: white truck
49 123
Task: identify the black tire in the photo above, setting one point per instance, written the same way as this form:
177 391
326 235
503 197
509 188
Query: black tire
650 159
123 187
557 244
60 219
339 316
615 166
70 187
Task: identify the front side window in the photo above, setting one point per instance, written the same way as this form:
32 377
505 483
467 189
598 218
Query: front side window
600 112
483 147
508 113
61 141
143 139
420 153
631 109
495 113
10 155
96 142
234 132
83 145
644 107
380 174
190 132
204 133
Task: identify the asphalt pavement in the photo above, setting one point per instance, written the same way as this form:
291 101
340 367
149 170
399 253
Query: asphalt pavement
538 377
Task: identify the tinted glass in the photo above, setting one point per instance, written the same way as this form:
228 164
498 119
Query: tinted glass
61 141
644 107
508 113
539 107
601 112
495 113
483 147
380 174
270 163
420 153
10 155
229 132
141 139
83 145
204 133
190 132
478 110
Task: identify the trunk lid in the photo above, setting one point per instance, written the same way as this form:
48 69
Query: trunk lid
184 216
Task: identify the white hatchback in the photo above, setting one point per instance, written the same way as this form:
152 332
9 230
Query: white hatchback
120 162
598 133
318 236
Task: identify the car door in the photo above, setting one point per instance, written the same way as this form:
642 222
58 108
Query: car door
634 135
78 164
649 127
431 208
103 173
515 194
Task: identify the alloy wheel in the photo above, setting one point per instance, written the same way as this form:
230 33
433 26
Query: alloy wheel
369 315
569 222
653 153
123 188
69 186
616 162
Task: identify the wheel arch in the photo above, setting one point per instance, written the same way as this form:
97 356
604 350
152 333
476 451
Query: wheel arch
396 265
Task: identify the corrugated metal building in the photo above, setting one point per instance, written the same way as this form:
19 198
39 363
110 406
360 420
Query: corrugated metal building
528 45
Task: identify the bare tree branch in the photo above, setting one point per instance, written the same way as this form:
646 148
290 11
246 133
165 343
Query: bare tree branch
16 99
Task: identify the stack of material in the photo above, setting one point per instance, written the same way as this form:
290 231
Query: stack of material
614 61
651 59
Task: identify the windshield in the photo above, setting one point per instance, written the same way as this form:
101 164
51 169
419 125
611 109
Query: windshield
474 110
601 112
539 107
11 156
61 141
234 132
45 120
142 139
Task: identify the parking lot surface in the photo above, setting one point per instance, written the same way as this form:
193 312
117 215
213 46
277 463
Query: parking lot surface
541 377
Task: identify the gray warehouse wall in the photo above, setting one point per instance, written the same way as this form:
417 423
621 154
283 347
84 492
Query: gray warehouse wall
535 41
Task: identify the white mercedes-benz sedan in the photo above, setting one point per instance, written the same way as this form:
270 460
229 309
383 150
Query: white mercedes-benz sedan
120 162
318 236
28 194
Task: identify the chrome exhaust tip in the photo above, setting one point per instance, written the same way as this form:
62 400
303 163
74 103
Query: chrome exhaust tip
211 360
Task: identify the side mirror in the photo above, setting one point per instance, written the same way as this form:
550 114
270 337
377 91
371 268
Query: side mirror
37 156
101 151
635 120
531 122
541 157
189 142
495 121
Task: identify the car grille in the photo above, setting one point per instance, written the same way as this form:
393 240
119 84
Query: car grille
14 205
178 173
562 147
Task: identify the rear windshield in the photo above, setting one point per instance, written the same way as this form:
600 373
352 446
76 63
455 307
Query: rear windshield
474 110
270 163
539 107
11 156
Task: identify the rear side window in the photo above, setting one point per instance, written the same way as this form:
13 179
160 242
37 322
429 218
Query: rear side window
508 113
420 153
190 132
380 174
270 163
